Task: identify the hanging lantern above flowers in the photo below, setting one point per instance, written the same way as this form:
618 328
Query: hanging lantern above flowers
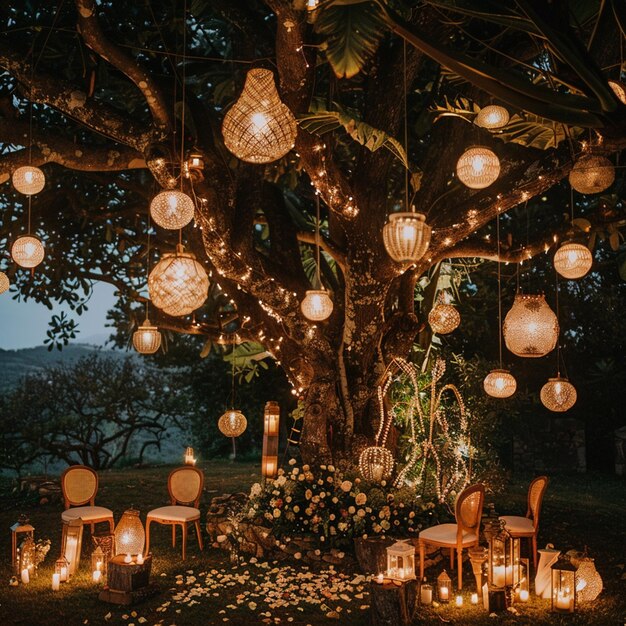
500 383
492 116
444 317
619 90
147 338
530 328
376 463
592 174
558 395
573 260
316 305
28 180
27 251
5 283
406 236
172 209
478 167
232 423
259 128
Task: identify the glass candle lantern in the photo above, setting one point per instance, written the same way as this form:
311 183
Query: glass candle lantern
563 586
444 587
401 561
503 560
97 560
62 568
189 457
21 530
271 422
71 543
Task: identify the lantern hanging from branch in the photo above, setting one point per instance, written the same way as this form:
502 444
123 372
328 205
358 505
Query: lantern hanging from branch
232 423
492 116
259 128
558 395
592 174
147 338
406 236
444 317
401 561
271 425
130 536
27 251
478 167
500 383
530 328
172 209
573 260
5 283
316 305
28 180
563 586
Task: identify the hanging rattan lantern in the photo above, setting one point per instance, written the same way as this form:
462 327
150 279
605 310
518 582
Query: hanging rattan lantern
147 338
232 423
478 167
376 463
592 174
129 534
530 328
558 395
406 236
316 305
178 284
5 283
172 209
492 116
619 90
28 180
27 251
444 317
259 128
500 384
573 260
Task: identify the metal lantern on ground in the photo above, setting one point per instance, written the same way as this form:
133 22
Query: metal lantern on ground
588 580
478 167
98 564
401 561
376 463
406 236
259 128
619 90
28 180
592 174
530 328
573 260
492 116
27 251
558 395
500 384
563 586
21 530
4 282
232 423
504 567
62 568
444 317
178 284
316 305
172 209
444 587
147 338
130 536
271 424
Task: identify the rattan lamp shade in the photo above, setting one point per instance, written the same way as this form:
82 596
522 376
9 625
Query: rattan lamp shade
589 582
316 305
27 251
573 260
4 282
129 534
147 338
592 174
499 384
259 128
478 167
406 236
232 423
376 463
492 116
172 209
28 180
558 395
530 328
178 284
619 90
443 317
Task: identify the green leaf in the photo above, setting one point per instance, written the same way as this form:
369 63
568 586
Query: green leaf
533 131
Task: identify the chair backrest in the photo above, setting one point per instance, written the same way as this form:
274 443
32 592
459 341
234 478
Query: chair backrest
79 484
469 508
185 485
536 490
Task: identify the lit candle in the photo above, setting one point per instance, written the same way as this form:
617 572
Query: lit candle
140 559
498 575
56 580
459 600
97 575
63 576
443 593
128 558
99 565
377 472
563 600
523 595
379 579
426 594
25 576
474 598
486 596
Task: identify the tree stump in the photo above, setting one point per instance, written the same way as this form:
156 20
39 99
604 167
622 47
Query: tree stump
392 603
371 553
127 582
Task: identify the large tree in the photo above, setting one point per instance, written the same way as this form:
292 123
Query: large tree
105 83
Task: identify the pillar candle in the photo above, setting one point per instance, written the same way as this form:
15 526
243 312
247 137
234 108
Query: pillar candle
523 595
426 594
474 598
140 559
128 559
63 576
459 600
97 575
25 576
56 580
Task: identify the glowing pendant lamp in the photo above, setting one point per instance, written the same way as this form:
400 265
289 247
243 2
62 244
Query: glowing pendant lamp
492 117
478 167
172 209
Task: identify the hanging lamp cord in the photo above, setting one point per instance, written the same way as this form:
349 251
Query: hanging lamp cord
499 289
406 128
317 239
558 320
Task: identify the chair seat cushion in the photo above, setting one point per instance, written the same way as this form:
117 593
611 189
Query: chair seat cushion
86 513
446 533
516 524
175 513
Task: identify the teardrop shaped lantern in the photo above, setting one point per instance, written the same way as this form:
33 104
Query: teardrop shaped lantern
444 317
28 180
530 328
147 338
316 305
592 174
5 283
27 251
178 284
376 463
406 236
558 395
232 423
130 536
588 580
172 209
619 90
500 383
573 260
478 167
492 116
259 128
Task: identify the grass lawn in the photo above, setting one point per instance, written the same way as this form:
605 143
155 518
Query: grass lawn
578 510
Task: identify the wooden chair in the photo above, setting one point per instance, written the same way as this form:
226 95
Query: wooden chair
528 526
464 534
79 485
185 488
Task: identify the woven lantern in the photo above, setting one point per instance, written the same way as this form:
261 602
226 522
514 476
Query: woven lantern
530 328
592 174
573 260
316 305
619 90
406 236
492 117
478 167
5 283
232 423
28 180
27 251
178 284
130 536
147 338
376 463
500 384
588 580
558 395
172 209
259 128
443 317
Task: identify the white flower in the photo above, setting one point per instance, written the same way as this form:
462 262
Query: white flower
305 468
308 494
295 471
281 480
360 499
322 467
221 538
361 513
335 500
256 490
351 510
346 485
296 509
331 468
277 513
292 461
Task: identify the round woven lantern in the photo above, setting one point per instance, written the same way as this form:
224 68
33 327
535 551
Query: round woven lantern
178 284
172 209
619 90
443 317
558 395
530 328
592 174
5 283
376 464
588 580
129 534
27 251
478 167
259 128
28 180
232 423
492 116
147 338
500 384
573 260
406 236
316 305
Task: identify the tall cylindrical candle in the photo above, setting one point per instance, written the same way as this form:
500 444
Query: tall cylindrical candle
56 580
